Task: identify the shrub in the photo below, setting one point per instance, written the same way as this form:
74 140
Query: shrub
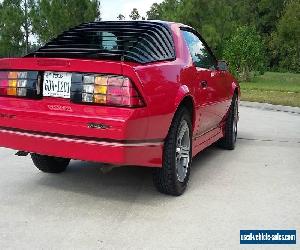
245 53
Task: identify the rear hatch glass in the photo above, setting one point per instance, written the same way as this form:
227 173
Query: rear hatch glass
136 41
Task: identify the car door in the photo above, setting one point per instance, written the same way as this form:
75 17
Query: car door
223 95
205 82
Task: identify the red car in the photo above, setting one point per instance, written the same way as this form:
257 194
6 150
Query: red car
146 93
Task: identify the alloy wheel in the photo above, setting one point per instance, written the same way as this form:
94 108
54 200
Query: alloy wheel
183 149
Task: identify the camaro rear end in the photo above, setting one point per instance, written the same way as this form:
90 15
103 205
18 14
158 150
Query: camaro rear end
125 93
63 117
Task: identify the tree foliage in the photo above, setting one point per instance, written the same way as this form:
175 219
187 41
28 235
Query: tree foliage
286 39
135 15
49 18
154 13
42 19
11 23
121 17
245 53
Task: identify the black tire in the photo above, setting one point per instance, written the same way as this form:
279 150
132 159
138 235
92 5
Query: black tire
49 164
230 137
166 179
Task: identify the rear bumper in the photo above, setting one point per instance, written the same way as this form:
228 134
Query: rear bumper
140 153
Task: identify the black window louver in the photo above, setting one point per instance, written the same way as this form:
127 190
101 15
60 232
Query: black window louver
137 41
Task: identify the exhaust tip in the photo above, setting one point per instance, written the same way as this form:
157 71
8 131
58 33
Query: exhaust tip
21 153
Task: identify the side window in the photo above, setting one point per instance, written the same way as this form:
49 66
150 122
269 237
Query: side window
200 54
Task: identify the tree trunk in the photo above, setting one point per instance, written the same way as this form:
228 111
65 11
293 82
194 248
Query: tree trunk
26 27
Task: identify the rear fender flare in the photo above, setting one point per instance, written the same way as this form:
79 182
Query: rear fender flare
235 87
182 93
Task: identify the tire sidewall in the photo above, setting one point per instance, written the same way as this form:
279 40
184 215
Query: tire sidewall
234 108
181 186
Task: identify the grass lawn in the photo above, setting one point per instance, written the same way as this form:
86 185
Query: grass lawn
274 88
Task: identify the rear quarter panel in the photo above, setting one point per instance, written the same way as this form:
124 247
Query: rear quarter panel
165 85
161 85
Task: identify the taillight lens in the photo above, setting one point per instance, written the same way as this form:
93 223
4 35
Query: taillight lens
106 90
19 83
3 83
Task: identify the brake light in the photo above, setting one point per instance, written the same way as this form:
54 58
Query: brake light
18 83
108 90
3 83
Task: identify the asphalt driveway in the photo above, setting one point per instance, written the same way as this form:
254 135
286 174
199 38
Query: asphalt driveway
257 186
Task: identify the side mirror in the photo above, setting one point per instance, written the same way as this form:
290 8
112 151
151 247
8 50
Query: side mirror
222 65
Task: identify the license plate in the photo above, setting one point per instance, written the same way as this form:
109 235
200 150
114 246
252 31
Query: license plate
57 84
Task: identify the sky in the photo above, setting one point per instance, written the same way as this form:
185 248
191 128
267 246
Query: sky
110 9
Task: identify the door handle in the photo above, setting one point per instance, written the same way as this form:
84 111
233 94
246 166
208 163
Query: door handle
203 84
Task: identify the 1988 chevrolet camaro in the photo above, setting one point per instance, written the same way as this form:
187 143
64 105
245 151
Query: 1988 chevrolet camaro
143 93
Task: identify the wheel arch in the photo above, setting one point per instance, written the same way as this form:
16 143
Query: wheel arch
185 99
188 103
236 89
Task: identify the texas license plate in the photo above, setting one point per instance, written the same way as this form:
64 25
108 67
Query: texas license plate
57 84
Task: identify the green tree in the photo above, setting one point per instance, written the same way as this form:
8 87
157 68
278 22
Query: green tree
167 10
50 18
245 53
135 15
155 12
269 13
11 33
26 25
286 40
262 14
121 17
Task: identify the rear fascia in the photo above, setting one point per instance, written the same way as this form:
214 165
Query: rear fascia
139 153
33 125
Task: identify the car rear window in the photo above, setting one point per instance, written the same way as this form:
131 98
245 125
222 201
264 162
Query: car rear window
138 41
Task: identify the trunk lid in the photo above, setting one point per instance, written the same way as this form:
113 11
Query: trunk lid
58 115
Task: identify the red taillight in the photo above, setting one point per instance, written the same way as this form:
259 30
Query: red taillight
3 83
12 83
18 83
109 90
